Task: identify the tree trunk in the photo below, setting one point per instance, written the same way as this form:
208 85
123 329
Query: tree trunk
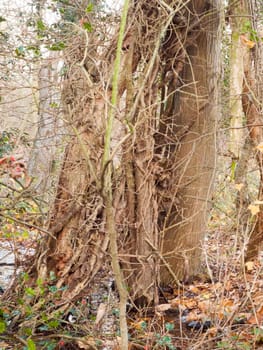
252 105
43 155
163 150
240 150
238 12
194 159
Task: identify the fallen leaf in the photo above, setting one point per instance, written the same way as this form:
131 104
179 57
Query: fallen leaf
190 304
87 343
258 317
163 307
249 266
254 209
194 315
100 313
228 285
205 305
194 289
139 325
212 332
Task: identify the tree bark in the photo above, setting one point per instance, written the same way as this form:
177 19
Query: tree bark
162 169
252 106
193 162
43 155
238 12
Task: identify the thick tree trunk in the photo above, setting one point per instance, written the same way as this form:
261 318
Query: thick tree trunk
193 162
164 163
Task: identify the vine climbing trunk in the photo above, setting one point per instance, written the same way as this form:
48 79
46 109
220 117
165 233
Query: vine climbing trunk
148 182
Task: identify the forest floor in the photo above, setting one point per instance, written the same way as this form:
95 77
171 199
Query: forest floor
220 309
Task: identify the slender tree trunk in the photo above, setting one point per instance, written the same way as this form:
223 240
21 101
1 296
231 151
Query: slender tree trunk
240 149
42 160
252 98
238 18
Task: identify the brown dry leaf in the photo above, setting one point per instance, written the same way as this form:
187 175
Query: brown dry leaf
249 266
225 308
227 303
248 43
190 304
228 286
176 302
205 305
139 325
87 343
133 346
194 315
202 286
258 297
194 289
163 307
258 318
100 313
212 332
216 286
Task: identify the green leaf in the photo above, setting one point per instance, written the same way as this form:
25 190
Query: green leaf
25 276
53 324
223 345
87 26
53 105
39 282
51 346
20 51
89 8
233 170
2 327
53 289
27 331
43 328
40 25
2 19
57 46
169 326
31 345
30 291
35 50
144 325
52 276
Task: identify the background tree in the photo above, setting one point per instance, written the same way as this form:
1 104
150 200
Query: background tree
252 105
245 97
